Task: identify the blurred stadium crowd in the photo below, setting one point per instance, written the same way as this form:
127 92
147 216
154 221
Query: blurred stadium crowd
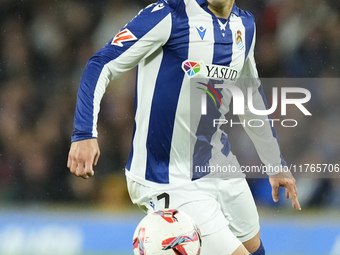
45 45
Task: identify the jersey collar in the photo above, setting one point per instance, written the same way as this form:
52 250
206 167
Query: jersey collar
204 4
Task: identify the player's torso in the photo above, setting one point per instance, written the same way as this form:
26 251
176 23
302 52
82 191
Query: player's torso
164 133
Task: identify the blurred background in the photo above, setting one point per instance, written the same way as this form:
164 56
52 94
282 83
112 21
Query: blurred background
44 46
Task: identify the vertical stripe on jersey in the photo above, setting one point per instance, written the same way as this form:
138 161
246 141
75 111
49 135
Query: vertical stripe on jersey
238 56
200 48
222 55
250 31
146 80
260 89
164 107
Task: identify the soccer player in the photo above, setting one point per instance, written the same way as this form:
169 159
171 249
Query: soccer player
164 39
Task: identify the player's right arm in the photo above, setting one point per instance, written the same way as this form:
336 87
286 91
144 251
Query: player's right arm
140 38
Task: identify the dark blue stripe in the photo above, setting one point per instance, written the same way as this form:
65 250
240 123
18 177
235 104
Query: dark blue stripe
165 100
162 118
223 47
249 24
283 162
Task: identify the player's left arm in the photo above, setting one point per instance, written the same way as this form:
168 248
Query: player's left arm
265 137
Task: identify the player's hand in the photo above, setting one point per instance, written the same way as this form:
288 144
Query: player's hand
286 180
82 157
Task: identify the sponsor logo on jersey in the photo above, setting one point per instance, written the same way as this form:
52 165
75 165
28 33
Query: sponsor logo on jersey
239 40
123 36
193 68
201 31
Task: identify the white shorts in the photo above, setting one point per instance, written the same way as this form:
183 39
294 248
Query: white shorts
223 209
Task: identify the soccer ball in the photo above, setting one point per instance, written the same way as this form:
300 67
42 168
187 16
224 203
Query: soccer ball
167 232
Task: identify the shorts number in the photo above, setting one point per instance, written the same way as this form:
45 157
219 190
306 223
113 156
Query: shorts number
166 199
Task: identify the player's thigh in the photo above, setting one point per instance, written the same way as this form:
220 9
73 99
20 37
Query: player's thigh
217 238
239 208
223 242
141 195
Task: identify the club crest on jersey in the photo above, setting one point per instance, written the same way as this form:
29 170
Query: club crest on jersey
194 68
123 36
239 40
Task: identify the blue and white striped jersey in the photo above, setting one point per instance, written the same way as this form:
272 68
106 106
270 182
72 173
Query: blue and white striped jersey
160 40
